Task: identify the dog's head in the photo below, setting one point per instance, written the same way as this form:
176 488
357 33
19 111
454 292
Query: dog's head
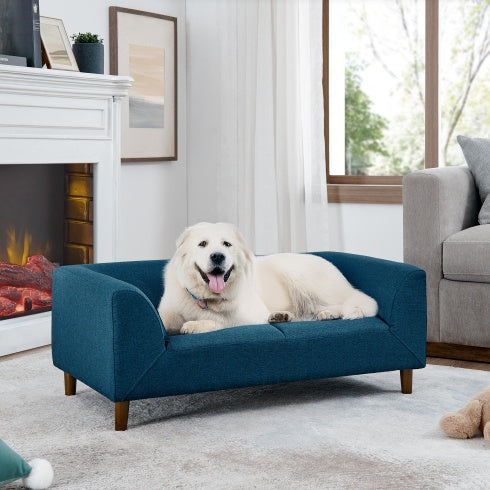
211 258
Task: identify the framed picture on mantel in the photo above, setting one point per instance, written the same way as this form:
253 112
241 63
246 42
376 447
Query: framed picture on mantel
143 45
56 47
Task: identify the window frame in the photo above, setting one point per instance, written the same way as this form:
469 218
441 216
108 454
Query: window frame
387 189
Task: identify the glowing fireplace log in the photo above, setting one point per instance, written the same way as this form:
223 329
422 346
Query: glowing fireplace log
7 307
9 292
20 276
41 265
26 287
36 298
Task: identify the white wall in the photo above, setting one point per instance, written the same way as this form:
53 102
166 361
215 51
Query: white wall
367 229
153 201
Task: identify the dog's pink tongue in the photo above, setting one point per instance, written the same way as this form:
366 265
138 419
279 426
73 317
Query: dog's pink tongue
216 283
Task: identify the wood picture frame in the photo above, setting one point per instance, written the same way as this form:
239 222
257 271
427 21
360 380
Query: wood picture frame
56 48
143 45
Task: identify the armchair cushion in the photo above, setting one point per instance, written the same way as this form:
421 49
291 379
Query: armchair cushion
466 255
477 155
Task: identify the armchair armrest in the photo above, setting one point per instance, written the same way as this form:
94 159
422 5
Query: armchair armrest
437 203
105 331
399 290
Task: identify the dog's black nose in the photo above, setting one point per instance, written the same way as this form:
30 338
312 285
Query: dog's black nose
217 258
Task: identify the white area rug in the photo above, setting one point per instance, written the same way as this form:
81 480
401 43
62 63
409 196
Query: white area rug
355 432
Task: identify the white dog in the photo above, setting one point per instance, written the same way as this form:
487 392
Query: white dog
214 281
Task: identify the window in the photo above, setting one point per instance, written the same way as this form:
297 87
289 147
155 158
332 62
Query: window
384 116
464 48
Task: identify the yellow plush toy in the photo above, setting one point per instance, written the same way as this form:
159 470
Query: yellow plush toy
465 423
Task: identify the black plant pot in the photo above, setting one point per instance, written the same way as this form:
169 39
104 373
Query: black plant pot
90 57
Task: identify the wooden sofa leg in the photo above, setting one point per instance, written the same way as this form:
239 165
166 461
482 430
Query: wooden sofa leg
121 412
406 380
70 385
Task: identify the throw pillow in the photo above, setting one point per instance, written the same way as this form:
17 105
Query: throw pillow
37 474
12 466
476 152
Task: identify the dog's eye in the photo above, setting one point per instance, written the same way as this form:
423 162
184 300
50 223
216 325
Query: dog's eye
227 244
203 243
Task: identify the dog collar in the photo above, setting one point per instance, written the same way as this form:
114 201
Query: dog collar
202 303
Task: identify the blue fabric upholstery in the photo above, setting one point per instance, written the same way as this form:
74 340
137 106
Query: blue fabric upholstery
108 334
105 332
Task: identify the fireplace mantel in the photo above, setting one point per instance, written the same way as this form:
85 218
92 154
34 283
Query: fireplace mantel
57 117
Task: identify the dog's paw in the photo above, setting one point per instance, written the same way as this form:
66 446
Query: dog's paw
330 313
280 316
199 326
352 313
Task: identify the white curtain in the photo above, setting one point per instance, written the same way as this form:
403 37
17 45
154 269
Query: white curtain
271 171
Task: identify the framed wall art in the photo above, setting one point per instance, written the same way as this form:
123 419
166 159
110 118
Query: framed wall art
143 45
56 47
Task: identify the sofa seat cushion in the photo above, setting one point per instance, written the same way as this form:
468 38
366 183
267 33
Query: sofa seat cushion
266 354
466 255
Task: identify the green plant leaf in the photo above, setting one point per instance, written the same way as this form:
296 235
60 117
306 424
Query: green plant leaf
86 37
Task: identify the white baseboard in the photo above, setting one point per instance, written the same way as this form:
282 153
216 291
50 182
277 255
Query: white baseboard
23 333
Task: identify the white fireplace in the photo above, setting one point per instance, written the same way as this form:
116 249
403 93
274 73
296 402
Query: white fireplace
56 117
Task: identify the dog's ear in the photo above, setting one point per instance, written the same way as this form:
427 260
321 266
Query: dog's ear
247 253
183 237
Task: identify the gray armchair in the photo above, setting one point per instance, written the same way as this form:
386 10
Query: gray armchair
443 237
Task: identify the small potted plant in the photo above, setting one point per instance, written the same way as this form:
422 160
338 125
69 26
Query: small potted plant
89 52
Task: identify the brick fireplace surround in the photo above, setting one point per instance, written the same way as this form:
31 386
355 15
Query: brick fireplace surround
79 194
50 116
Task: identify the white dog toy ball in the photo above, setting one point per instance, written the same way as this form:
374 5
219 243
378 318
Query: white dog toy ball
41 475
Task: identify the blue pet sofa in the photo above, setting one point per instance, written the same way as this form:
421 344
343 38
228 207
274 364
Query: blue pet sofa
107 333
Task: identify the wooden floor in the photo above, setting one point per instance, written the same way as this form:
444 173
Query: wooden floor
482 366
24 353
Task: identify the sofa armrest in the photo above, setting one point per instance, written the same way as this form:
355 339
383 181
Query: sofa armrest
437 203
105 331
399 290
146 275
